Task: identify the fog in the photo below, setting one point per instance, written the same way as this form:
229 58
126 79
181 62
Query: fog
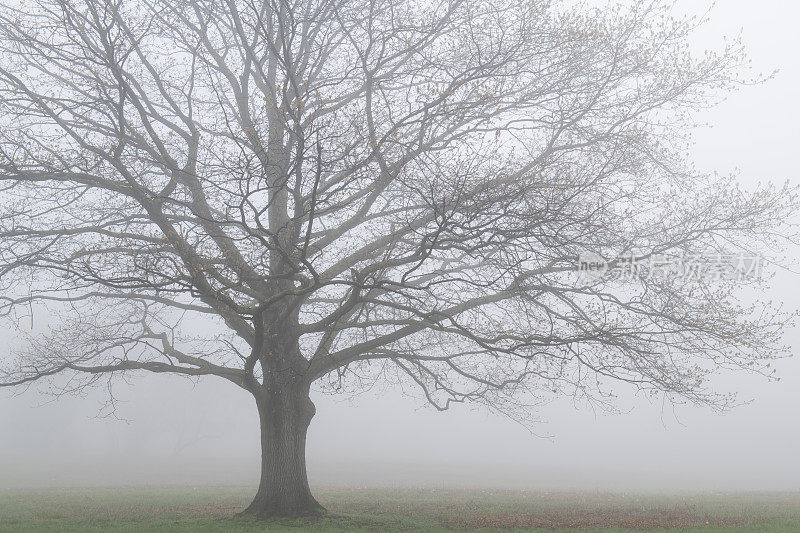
175 431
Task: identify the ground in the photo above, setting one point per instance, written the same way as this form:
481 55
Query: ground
212 509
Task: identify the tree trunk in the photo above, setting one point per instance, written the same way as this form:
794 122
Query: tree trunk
283 489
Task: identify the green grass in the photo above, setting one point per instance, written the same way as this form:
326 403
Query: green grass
213 510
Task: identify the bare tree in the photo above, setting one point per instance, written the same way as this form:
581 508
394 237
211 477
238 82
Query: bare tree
286 192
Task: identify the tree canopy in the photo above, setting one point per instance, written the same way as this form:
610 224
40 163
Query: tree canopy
285 192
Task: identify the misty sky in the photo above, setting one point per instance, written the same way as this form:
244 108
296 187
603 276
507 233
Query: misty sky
181 432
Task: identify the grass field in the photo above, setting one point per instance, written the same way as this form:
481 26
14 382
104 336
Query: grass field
212 509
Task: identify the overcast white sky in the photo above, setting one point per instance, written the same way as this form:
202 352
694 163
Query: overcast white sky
184 433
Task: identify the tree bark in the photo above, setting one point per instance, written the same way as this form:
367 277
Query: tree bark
283 489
